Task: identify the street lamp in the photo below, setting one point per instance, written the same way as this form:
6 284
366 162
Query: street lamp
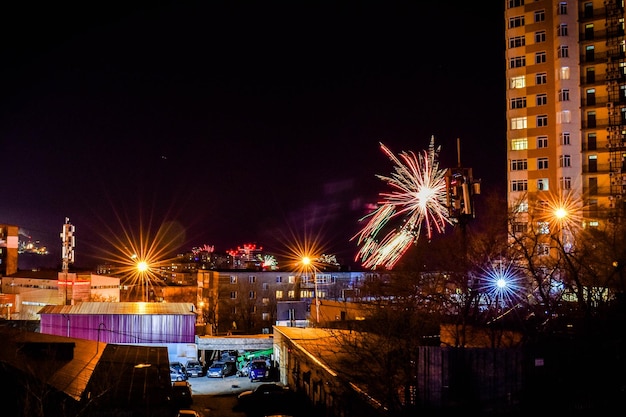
142 269
306 261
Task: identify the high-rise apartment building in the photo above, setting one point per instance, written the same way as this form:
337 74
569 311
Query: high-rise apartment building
566 105
8 249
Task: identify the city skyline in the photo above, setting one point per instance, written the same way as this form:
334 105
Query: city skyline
237 123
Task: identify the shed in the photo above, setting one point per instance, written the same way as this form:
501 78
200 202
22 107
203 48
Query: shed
122 323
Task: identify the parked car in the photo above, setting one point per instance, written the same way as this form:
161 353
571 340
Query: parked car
176 375
221 369
258 370
179 367
194 368
267 398
181 393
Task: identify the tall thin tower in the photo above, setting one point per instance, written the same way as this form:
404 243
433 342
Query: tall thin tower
67 254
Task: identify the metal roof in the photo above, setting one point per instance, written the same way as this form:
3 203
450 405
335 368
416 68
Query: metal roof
21 349
137 308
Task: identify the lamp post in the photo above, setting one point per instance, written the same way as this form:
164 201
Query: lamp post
142 269
306 261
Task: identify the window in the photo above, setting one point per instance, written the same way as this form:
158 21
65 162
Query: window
291 294
564 138
543 249
518 102
516 22
265 300
515 3
566 183
520 227
519 165
561 30
565 161
517 41
540 36
564 73
279 294
540 16
292 279
265 316
279 279
233 295
252 294
542 142
519 185
518 82
589 32
519 123
542 163
543 228
266 286
252 309
540 57
542 120
542 99
592 142
541 78
520 144
564 116
233 279
542 184
517 62
522 207
564 95
562 51
562 9
251 279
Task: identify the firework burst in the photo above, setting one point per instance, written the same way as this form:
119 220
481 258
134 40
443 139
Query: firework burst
418 198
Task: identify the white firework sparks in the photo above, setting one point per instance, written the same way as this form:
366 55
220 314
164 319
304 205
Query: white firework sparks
418 196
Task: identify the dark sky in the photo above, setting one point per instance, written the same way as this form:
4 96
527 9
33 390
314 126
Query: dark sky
242 122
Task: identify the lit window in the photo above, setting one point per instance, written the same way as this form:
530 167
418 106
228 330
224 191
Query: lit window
266 316
518 82
266 300
522 207
520 144
543 228
279 294
564 73
564 116
291 294
542 184
519 123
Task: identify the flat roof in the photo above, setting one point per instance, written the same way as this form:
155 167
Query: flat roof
121 308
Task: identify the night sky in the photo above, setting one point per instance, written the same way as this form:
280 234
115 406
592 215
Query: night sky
240 122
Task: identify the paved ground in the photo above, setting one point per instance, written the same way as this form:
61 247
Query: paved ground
216 397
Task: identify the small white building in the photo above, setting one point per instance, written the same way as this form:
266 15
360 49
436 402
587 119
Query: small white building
31 290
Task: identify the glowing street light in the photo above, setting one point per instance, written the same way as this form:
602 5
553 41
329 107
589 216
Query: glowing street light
306 262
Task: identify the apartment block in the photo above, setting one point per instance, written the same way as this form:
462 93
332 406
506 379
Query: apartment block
566 106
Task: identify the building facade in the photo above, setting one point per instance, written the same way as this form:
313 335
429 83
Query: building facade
566 106
9 243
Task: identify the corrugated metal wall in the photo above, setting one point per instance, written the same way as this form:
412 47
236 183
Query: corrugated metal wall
124 328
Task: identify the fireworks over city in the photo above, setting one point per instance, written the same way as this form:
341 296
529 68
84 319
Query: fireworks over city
418 199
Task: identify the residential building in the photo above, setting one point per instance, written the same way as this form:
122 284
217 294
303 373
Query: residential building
9 243
566 106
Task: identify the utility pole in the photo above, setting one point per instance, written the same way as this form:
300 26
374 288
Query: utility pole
67 255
